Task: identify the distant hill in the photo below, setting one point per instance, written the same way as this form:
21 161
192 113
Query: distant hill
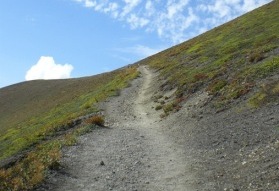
32 110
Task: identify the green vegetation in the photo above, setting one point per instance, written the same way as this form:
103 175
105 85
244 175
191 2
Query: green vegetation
168 107
42 109
227 61
268 93
158 107
24 132
29 172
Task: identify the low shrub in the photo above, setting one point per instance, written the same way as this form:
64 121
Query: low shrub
158 107
96 120
70 139
168 107
256 56
200 77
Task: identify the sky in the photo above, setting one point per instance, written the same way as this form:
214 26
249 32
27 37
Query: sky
56 39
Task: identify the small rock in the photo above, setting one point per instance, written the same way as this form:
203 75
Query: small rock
102 163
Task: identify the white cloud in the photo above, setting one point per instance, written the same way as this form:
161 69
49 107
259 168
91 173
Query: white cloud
140 50
137 22
217 12
112 7
46 68
145 50
174 8
173 20
149 7
89 3
249 5
129 6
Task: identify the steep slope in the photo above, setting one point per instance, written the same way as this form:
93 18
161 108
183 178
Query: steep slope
229 61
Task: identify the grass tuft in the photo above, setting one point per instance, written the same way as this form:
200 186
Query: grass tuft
96 120
158 107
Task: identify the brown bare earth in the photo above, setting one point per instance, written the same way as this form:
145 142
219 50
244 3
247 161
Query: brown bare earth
192 149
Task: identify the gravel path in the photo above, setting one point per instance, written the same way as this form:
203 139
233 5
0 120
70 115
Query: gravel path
133 153
194 149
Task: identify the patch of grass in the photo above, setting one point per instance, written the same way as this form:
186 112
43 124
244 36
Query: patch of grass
261 69
214 87
29 172
70 139
169 107
158 107
256 56
86 106
269 92
162 102
257 100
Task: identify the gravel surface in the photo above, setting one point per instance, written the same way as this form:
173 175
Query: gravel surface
194 149
132 153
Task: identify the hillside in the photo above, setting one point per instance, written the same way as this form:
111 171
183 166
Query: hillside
229 61
213 98
38 107
37 116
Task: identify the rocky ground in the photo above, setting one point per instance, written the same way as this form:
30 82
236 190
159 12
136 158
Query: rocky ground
195 148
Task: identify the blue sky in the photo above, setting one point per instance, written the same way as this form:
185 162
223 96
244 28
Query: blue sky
47 39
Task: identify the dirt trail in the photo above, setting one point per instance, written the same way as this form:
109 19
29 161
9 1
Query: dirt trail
134 153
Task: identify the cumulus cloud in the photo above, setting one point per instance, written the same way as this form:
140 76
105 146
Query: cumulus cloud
173 20
46 68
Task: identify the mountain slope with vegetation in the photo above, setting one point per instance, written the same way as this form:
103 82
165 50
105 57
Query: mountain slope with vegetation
229 61
231 73
37 117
